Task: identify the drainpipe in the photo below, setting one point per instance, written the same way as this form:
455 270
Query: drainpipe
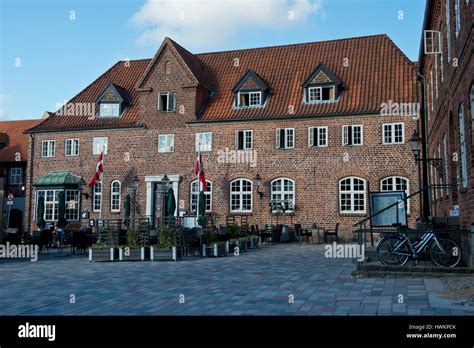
426 213
30 188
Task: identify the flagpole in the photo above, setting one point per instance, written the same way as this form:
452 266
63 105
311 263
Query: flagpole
198 184
102 183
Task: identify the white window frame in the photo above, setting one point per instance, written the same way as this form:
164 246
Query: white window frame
392 137
457 11
105 109
283 192
352 194
448 29
199 139
54 204
345 134
287 132
115 195
74 145
310 89
240 195
170 99
393 184
16 172
446 161
50 148
246 133
318 130
166 149
207 194
463 147
97 197
98 143
78 203
250 93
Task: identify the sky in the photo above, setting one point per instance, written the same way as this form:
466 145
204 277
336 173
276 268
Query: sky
52 49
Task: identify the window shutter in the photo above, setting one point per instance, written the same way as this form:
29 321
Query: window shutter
159 106
241 140
277 138
350 133
311 136
172 101
283 138
344 135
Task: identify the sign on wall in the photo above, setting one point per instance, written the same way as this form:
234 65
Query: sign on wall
394 215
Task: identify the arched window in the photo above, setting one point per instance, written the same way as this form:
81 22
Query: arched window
283 194
462 140
195 195
241 196
396 183
115 191
97 197
352 195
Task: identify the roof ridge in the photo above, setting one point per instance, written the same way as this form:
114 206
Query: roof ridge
289 45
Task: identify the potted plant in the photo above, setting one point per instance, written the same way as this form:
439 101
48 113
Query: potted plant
103 252
166 249
215 249
132 251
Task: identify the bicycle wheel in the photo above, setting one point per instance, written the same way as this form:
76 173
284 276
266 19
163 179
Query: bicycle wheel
448 256
386 254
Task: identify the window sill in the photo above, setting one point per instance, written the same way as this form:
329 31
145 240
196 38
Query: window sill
247 213
352 214
285 148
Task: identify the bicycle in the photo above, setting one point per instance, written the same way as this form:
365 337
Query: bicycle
396 249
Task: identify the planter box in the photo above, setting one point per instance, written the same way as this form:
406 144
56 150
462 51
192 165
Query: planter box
252 243
103 254
130 254
214 250
165 254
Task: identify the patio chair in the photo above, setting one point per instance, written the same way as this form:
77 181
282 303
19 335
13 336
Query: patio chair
333 232
45 239
79 242
267 233
302 233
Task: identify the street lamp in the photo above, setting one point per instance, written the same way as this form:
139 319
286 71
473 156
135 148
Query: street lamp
258 184
415 143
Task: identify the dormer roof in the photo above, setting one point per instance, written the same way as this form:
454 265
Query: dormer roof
250 81
322 75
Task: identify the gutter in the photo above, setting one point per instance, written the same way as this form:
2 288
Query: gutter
30 188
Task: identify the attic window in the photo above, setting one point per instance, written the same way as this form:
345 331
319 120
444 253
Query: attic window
317 94
167 102
249 99
109 109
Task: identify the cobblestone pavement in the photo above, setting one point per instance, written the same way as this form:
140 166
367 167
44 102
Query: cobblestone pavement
259 282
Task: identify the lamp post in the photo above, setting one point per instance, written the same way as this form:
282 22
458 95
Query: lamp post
258 183
416 143
132 189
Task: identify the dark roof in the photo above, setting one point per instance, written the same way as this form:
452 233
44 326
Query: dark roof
326 71
250 74
16 141
376 71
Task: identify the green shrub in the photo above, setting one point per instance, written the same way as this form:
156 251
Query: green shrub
167 237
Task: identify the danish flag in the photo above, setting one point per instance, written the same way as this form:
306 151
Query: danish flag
99 170
200 170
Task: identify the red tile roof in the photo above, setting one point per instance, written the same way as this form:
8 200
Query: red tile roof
376 71
17 141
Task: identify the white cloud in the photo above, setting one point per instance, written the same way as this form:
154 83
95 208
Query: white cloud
195 23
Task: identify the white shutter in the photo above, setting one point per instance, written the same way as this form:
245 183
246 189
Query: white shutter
172 101
277 138
345 135
196 142
236 140
160 107
311 136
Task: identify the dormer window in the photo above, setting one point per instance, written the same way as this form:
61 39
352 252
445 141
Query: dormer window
250 91
167 102
322 86
113 101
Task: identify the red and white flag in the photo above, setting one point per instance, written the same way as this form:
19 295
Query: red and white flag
200 170
99 170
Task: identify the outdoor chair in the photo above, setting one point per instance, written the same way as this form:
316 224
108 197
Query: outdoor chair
302 233
333 232
79 242
190 242
45 239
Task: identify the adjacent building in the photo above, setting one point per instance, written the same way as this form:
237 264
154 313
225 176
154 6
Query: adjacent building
309 129
446 61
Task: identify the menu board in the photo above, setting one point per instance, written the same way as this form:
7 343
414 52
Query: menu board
394 215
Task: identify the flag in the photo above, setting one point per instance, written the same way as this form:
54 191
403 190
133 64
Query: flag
99 170
200 170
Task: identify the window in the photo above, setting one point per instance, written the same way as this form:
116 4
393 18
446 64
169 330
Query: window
97 197
352 135
396 183
462 139
98 144
446 161
167 102
352 195
195 195
241 196
457 11
318 136
16 176
243 139
393 133
166 143
109 109
318 94
249 99
285 138
72 205
431 90
115 191
50 204
283 194
48 148
448 29
203 142
72 147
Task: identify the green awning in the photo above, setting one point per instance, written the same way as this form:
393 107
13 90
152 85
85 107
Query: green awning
59 179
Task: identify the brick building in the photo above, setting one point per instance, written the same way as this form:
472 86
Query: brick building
450 96
320 123
13 159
